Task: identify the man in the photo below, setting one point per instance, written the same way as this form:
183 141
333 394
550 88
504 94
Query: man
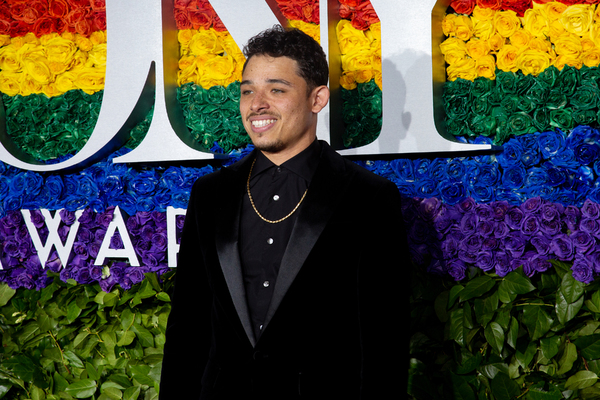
288 283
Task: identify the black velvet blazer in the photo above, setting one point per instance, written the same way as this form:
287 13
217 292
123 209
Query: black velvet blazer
336 326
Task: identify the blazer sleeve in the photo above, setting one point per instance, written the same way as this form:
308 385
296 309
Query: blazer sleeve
384 279
188 327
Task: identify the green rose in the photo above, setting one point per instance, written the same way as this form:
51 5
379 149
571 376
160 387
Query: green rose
541 118
585 97
548 76
483 125
537 93
585 117
561 118
520 123
506 81
568 80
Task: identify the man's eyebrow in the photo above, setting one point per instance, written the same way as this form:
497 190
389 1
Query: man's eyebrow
281 81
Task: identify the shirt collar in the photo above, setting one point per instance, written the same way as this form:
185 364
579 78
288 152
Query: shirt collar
303 164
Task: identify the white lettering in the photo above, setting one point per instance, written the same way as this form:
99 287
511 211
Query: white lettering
118 223
173 246
53 224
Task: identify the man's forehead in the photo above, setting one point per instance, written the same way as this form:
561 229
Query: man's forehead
269 60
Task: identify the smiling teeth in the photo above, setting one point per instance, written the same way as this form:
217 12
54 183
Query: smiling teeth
262 122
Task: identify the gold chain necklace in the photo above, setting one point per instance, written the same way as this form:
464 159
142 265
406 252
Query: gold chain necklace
254 207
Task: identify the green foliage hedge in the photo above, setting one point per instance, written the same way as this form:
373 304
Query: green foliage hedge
490 337
70 341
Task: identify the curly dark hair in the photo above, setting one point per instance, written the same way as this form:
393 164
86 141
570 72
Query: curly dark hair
295 44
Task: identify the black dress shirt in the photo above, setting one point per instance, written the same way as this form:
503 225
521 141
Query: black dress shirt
276 190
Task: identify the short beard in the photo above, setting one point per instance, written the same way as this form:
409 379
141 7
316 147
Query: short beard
273 147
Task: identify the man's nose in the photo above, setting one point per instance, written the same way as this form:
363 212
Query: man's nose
259 102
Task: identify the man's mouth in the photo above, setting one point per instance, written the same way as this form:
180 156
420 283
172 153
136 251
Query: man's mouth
260 123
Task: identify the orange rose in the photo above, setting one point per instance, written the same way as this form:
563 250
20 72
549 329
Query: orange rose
58 8
463 6
493 4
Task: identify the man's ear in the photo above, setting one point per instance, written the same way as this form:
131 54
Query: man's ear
319 98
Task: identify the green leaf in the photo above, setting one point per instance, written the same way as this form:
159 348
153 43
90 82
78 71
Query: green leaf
565 310
126 339
581 380
441 306
513 332
524 358
73 359
571 288
144 336
567 359
457 331
504 388
512 285
470 364
82 389
550 346
589 346
537 321
73 311
594 303
537 392
461 388
494 334
6 293
132 393
477 287
454 294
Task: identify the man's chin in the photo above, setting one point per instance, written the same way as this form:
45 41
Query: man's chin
269 147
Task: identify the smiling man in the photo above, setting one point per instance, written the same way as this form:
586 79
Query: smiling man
288 282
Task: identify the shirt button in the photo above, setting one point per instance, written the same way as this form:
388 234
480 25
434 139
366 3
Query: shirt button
266 283
270 240
276 197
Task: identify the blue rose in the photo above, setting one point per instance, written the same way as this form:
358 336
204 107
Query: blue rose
551 143
511 155
452 191
513 177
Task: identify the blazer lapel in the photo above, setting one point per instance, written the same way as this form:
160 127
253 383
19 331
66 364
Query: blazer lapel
227 241
326 190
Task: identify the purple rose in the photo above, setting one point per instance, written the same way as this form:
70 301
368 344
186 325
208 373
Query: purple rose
540 263
531 205
499 209
457 269
582 270
590 209
530 225
514 244
501 229
590 226
540 242
562 246
429 208
550 228
485 260
466 205
503 263
514 218
582 241
571 216
468 223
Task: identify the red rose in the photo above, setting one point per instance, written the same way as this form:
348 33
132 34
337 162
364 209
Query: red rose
19 28
182 19
98 5
99 20
44 26
518 6
463 6
181 4
78 21
364 17
201 19
58 8
79 3
346 12
26 12
218 24
493 4
350 3
5 20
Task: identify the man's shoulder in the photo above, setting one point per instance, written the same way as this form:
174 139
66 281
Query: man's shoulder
222 175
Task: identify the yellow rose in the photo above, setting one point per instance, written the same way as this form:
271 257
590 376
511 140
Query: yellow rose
568 45
464 28
453 49
184 37
465 69
556 29
98 55
311 30
486 67
4 40
594 35
80 60
554 10
568 59
350 38
90 80
364 75
477 48
10 83
44 39
483 14
535 23
9 59
37 68
374 35
231 48
506 23
31 38
577 19
483 29
348 80
448 24
540 44
591 58
507 58
51 90
68 36
532 62
205 42
83 43
379 79
520 39
187 74
357 60
29 86
496 42
65 82
587 44
60 50
98 37
217 71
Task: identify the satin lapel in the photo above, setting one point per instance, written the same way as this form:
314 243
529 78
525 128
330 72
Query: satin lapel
326 190
227 242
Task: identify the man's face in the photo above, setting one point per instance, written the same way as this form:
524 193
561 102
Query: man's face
278 112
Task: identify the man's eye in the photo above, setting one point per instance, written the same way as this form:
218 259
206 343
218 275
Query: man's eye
246 92
277 91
